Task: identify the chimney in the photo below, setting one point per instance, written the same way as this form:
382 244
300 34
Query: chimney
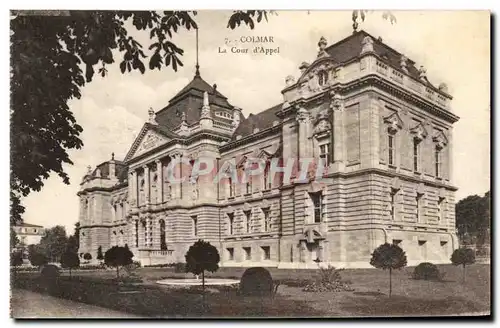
112 167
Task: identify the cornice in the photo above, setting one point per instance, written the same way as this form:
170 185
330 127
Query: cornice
252 137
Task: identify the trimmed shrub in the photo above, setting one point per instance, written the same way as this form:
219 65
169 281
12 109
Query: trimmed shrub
256 282
427 271
328 280
388 256
87 256
49 277
179 267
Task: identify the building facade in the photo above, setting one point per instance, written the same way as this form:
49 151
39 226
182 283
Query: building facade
383 133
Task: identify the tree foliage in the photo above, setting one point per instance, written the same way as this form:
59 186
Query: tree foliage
100 256
388 257
14 240
87 256
54 243
16 258
201 257
473 219
70 260
463 256
117 257
36 256
53 57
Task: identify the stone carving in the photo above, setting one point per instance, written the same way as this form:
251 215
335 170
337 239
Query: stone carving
322 126
443 87
336 102
149 141
151 114
98 173
89 169
205 109
290 80
322 45
403 62
440 140
394 123
303 115
303 67
422 73
419 132
183 128
313 83
367 45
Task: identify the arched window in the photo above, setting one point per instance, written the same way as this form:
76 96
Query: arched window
163 241
322 77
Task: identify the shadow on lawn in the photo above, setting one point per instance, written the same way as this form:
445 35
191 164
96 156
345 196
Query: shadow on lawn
407 306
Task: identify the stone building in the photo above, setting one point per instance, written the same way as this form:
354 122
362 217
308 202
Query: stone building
382 129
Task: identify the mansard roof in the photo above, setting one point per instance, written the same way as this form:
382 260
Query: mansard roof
349 48
262 121
120 170
189 101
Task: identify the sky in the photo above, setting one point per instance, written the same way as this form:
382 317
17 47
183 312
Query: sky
454 47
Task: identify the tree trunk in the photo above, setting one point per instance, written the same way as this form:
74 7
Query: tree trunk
117 273
463 277
390 282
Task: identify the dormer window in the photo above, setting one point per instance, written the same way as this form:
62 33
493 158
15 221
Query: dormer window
322 77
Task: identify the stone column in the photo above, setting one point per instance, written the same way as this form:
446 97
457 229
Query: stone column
304 121
159 182
337 107
146 185
303 250
177 173
132 188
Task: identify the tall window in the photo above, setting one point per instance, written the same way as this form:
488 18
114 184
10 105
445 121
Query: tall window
248 185
324 153
415 154
437 161
145 228
267 219
267 176
230 220
441 208
418 201
392 208
136 233
195 225
391 149
231 187
322 77
317 199
248 216
163 241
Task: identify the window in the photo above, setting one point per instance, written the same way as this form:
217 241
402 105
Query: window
248 185
415 154
163 242
437 161
266 252
248 215
231 187
136 233
317 199
322 77
392 207
230 219
195 225
267 176
441 208
391 149
418 201
324 154
145 228
248 253
230 254
267 219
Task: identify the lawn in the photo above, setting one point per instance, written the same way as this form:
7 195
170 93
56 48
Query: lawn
410 297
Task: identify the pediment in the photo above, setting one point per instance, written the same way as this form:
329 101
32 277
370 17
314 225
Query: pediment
324 63
147 140
440 139
394 121
419 131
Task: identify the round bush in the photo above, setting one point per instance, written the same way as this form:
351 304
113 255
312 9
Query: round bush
50 277
426 271
256 282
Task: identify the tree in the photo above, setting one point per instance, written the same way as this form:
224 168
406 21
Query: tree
201 257
473 218
70 260
54 243
117 257
48 50
16 259
74 240
463 256
14 240
100 257
388 256
36 256
87 256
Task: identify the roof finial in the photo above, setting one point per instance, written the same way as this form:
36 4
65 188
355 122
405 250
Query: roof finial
113 156
151 113
197 62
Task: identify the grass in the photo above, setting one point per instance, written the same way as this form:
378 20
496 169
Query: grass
410 297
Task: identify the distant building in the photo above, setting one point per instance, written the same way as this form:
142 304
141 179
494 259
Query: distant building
383 130
28 234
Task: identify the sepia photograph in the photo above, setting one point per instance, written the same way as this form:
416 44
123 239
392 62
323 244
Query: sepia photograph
250 164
